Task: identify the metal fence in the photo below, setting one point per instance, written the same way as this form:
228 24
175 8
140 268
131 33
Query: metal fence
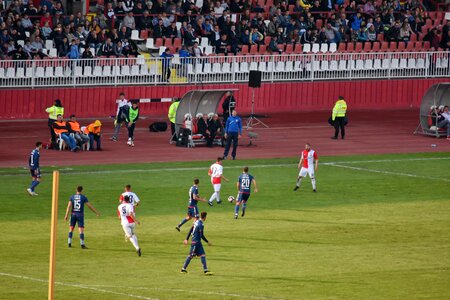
222 69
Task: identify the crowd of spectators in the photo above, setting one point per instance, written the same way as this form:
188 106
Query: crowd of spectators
283 22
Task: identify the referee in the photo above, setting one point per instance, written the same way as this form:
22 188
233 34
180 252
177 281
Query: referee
338 117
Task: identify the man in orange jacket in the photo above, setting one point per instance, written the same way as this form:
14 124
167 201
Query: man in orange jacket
61 130
93 130
74 127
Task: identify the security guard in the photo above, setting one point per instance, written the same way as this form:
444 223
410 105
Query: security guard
338 117
53 112
171 115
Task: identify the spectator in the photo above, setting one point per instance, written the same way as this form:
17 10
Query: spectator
18 54
93 130
118 49
256 37
362 34
369 8
171 31
46 31
87 54
393 34
75 129
189 36
273 45
128 21
125 33
222 45
196 51
36 48
74 52
444 121
371 34
204 130
158 31
61 130
107 48
166 64
215 127
272 26
330 34
405 32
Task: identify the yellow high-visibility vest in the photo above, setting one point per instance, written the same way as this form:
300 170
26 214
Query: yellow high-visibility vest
173 111
339 109
53 111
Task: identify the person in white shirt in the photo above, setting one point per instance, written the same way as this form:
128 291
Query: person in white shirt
216 174
134 199
125 211
444 121
121 104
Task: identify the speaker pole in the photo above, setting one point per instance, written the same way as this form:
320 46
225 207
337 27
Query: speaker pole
252 120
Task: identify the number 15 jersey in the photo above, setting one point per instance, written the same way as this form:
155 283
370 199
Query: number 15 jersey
78 201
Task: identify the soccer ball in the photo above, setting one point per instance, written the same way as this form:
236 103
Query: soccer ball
230 199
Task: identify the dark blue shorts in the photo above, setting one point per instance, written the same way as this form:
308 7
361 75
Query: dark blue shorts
35 173
197 250
243 197
193 212
77 218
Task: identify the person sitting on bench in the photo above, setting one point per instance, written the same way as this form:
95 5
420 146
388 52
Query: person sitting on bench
204 130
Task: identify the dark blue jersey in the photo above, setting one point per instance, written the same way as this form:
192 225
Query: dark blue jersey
193 192
78 201
33 162
197 232
245 183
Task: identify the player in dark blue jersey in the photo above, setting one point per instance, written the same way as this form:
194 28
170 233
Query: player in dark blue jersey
76 208
244 185
192 207
33 164
198 235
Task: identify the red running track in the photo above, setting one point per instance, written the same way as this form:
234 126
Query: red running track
374 132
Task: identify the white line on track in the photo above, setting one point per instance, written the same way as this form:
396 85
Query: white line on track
389 172
101 289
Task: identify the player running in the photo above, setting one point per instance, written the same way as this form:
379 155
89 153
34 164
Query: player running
216 174
192 207
308 163
244 185
134 199
198 235
125 211
33 164
76 207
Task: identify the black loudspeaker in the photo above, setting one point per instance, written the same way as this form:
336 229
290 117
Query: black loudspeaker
183 137
254 79
158 127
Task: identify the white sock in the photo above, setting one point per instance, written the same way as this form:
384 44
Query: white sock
134 241
299 181
218 196
313 181
213 196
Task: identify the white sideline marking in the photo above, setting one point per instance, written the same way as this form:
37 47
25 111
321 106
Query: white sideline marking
78 286
100 288
231 167
390 173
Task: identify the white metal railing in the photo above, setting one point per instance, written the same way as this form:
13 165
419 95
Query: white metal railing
220 69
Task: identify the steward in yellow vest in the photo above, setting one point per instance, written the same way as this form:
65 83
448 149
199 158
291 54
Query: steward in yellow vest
53 112
338 117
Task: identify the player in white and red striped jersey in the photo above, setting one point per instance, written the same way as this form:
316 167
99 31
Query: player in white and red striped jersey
134 199
216 174
125 211
308 165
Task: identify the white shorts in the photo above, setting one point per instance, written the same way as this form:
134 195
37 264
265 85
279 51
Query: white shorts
306 171
217 187
129 229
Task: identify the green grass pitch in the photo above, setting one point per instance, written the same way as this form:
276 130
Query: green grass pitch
378 228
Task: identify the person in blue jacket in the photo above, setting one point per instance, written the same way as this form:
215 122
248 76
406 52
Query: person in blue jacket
233 131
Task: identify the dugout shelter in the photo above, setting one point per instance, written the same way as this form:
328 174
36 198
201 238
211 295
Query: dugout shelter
437 96
199 101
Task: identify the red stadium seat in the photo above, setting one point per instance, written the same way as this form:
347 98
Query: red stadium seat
413 37
350 47
358 47
158 42
341 47
244 49
267 40
253 49
144 34
426 45
392 46
177 43
384 46
168 42
262 49
319 23
401 46
376 47
417 46
298 48
367 47
289 49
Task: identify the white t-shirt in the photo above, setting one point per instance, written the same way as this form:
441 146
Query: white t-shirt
125 211
122 103
216 171
134 199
